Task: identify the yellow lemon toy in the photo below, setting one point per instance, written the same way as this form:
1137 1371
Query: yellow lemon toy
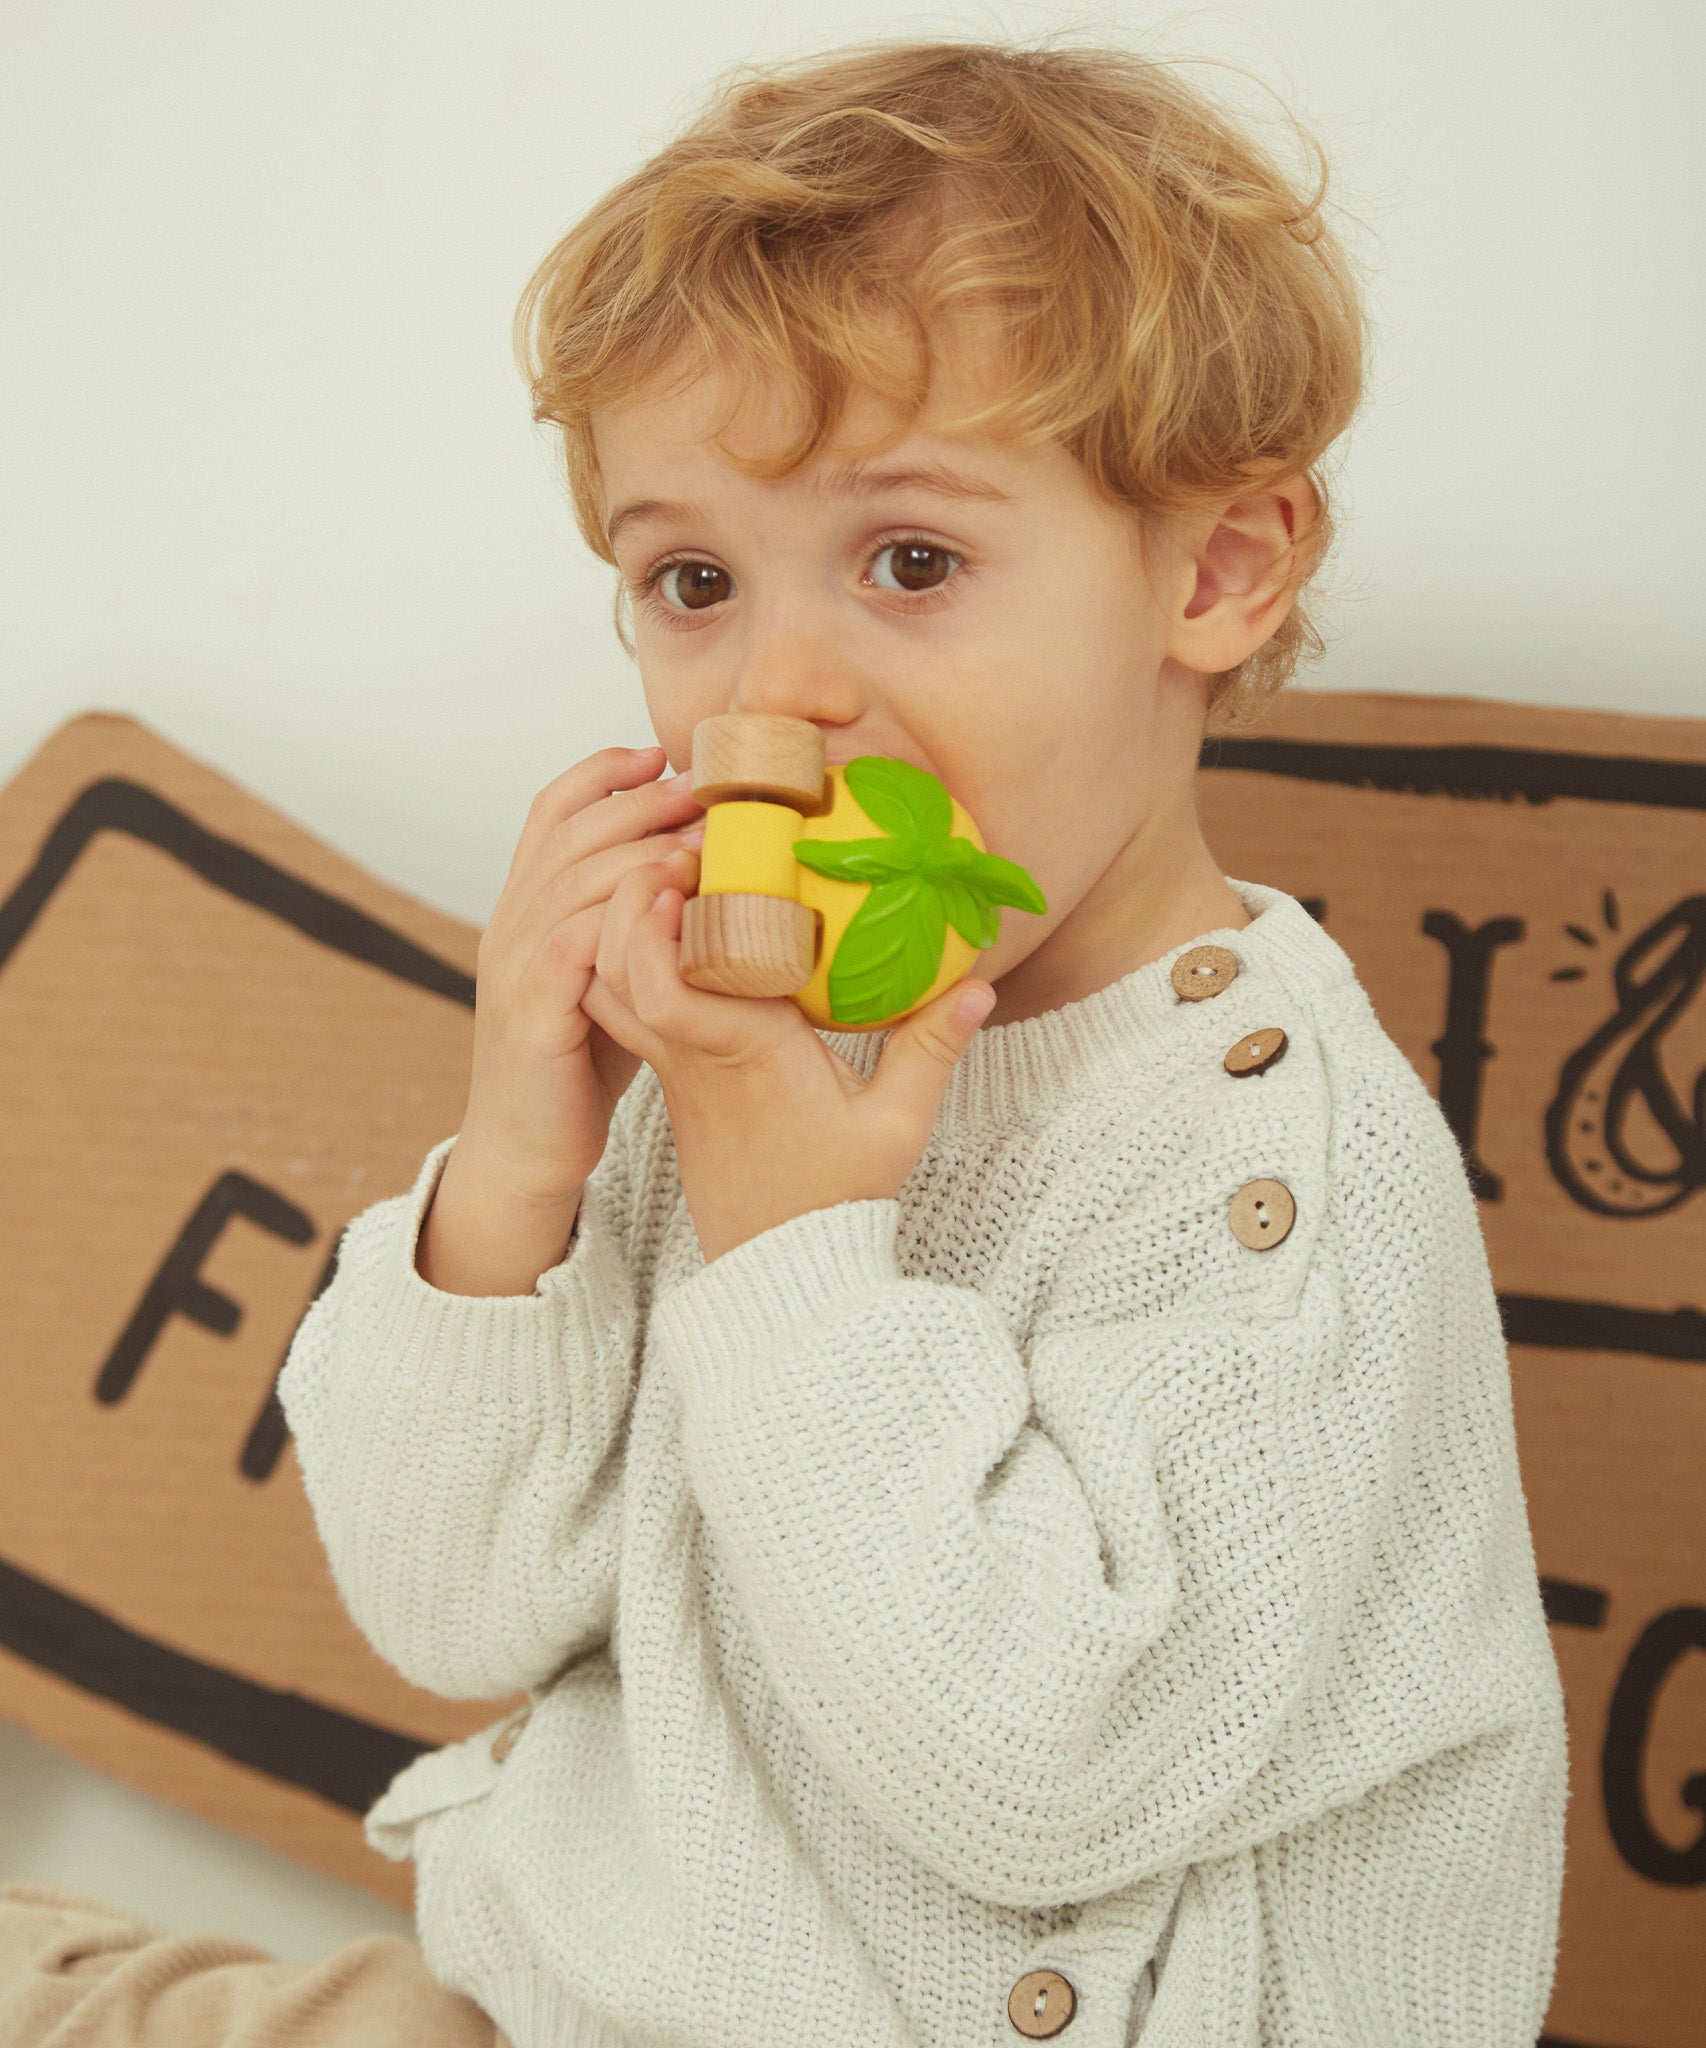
862 891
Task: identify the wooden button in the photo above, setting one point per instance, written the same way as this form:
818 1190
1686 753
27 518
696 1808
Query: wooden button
509 1735
1262 1214
1257 1051
1204 971
1041 2003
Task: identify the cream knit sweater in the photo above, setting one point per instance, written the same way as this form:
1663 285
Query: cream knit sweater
1014 1599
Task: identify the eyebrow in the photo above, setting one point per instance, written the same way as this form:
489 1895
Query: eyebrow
847 479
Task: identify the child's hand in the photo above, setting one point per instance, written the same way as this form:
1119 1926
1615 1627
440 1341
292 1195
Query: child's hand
769 1122
546 1078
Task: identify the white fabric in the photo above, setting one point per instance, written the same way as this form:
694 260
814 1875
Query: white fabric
1020 1574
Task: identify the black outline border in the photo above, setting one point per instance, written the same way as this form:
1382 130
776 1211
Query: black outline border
1510 774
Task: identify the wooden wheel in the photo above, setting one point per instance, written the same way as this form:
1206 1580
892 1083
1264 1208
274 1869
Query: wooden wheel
743 945
760 755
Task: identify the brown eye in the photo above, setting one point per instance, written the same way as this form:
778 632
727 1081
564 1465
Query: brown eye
692 586
917 565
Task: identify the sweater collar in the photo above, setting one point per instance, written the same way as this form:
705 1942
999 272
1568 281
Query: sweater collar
1010 1072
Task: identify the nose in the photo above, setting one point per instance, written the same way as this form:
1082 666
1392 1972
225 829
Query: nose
792 663
807 688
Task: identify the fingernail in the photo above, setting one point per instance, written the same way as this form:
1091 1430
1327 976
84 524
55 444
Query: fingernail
682 781
692 836
975 1004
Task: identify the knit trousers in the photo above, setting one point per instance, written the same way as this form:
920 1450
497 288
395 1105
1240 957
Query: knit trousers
78 1974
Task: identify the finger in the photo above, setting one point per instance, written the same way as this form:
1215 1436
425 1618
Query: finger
613 1016
599 775
915 1065
630 901
608 772
721 1025
664 805
590 884
617 794
650 815
616 804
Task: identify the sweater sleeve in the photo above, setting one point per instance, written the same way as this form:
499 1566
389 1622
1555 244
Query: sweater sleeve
462 1454
1057 1621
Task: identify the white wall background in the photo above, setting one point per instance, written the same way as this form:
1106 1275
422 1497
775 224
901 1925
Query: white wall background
268 482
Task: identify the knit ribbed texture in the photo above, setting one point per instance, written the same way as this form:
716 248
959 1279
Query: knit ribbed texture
1021 1574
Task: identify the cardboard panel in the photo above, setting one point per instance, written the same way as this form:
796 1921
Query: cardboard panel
1524 894
220 1041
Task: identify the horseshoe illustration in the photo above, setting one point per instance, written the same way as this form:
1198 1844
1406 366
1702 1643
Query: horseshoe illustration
1656 977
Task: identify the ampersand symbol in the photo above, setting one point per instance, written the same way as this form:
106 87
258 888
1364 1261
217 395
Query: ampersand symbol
1587 1128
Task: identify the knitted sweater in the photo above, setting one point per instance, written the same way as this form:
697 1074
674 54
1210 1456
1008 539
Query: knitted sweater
1016 1609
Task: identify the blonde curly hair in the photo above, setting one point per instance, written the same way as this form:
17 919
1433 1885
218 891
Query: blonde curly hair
1174 310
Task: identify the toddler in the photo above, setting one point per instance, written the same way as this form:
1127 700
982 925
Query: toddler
1007 1532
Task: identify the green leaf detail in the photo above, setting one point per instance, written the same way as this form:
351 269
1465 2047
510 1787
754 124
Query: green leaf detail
858 860
889 954
922 878
977 921
902 799
1004 881
946 857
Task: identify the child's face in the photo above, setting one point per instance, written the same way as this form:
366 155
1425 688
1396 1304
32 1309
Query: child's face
1003 634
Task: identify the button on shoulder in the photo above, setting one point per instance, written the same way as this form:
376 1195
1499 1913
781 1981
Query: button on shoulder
1041 2004
1203 972
1262 1214
1256 1051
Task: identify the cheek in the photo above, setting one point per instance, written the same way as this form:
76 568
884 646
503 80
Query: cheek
674 709
1074 793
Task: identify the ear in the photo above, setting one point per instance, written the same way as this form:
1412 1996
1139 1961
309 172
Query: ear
1236 581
